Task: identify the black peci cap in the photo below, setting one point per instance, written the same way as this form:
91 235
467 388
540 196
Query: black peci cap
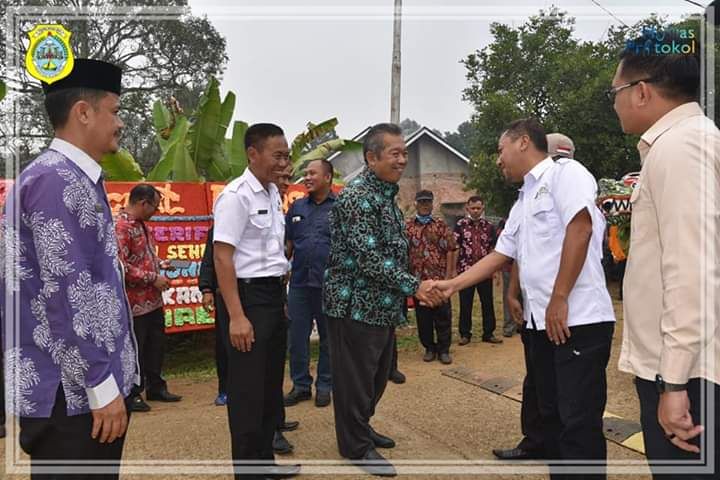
88 73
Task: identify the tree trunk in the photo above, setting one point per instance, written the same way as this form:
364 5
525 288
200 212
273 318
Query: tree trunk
395 80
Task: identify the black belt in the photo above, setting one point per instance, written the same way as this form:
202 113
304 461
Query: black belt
262 280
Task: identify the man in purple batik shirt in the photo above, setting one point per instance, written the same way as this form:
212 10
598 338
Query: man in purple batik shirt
70 352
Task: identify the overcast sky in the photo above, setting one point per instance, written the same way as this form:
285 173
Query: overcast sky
291 62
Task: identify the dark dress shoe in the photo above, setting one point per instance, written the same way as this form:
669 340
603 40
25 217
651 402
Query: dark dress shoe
163 396
445 358
464 341
513 454
381 441
397 377
281 446
492 340
289 426
429 356
296 396
322 399
375 464
137 404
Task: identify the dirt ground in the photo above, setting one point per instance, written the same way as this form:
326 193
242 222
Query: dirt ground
433 418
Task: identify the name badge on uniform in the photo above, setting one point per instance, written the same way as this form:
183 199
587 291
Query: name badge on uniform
296 219
99 207
262 212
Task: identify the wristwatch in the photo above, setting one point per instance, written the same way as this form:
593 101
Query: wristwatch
662 386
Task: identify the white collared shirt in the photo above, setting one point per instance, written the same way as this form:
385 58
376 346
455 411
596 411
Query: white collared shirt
552 194
250 218
91 168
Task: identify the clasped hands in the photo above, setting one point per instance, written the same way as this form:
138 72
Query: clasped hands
433 293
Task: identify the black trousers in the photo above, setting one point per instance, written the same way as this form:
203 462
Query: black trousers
485 292
255 398
394 358
221 343
362 354
703 395
571 387
67 438
530 420
150 334
432 322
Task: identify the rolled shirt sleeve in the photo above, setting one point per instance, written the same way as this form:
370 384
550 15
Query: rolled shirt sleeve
507 241
230 218
576 189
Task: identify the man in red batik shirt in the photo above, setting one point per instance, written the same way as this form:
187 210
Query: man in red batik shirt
433 256
144 284
476 238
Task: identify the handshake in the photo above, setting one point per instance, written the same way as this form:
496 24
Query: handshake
433 293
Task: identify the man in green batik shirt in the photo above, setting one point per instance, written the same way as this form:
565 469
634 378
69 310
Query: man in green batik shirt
366 283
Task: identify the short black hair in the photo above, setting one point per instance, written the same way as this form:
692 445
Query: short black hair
143 191
530 127
374 139
256 134
475 198
677 75
327 167
59 103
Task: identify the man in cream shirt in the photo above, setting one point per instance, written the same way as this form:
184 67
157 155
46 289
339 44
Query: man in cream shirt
670 339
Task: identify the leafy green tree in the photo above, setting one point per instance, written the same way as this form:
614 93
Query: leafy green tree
540 69
160 58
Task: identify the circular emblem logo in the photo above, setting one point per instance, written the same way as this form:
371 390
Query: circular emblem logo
49 57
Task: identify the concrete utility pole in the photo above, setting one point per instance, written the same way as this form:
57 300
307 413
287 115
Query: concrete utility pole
395 79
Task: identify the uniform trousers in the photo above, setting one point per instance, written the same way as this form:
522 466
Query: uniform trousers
571 387
255 378
530 420
67 438
362 356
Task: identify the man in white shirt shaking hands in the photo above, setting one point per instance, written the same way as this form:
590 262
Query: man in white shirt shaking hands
554 232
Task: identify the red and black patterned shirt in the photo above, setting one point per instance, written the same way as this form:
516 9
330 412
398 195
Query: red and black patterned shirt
429 245
141 264
476 239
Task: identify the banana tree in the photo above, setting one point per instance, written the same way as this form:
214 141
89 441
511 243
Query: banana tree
195 149
318 142
121 166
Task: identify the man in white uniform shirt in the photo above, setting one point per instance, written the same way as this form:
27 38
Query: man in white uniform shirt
554 232
250 264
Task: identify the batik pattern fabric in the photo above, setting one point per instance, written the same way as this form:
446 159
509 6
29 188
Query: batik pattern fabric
476 239
72 327
368 274
141 264
429 246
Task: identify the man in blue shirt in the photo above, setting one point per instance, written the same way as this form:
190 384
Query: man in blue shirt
307 233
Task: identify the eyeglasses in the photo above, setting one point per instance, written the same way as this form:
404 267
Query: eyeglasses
612 92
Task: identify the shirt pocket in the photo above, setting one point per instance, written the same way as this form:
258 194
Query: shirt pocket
544 221
260 219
